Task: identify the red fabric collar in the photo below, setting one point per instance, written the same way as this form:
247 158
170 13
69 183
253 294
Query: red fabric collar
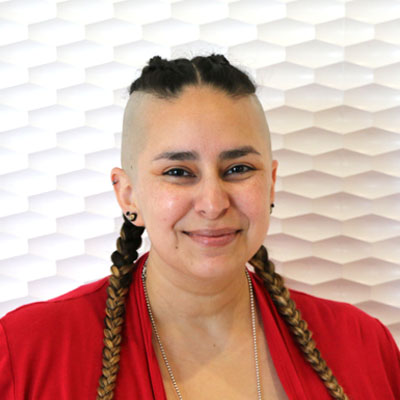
288 360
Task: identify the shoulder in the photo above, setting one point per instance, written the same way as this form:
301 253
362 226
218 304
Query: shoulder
84 305
349 327
331 316
54 343
84 302
323 313
357 346
69 325
329 310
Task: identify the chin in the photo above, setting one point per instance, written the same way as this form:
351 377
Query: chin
215 264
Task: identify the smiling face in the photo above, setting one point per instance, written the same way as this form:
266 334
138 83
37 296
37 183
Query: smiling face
204 180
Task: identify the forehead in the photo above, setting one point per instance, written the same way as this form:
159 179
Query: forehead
203 112
201 119
202 104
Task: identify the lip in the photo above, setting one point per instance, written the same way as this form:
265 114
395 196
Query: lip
213 237
212 232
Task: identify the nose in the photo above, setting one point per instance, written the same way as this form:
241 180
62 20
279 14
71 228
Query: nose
212 198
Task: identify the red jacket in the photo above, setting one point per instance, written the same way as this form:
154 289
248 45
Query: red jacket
52 350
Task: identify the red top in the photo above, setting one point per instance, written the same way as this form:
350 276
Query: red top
53 349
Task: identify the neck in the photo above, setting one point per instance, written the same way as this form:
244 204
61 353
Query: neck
214 305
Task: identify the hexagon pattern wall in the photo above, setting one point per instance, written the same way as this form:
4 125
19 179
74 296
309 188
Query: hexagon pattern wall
328 73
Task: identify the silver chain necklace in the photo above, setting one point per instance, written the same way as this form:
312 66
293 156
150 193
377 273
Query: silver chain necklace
164 355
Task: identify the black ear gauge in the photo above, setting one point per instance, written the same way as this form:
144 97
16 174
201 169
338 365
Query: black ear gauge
272 205
131 216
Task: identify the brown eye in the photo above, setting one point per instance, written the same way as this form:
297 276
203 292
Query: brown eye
239 169
178 172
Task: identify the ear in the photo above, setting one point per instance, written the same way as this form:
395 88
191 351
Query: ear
125 195
273 173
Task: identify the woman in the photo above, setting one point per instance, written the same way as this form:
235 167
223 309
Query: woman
188 320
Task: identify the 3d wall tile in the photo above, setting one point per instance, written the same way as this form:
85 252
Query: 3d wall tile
344 76
344 32
328 76
28 12
142 12
284 76
202 12
286 32
256 11
373 12
316 11
56 32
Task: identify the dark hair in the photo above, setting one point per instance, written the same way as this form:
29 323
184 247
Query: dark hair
166 79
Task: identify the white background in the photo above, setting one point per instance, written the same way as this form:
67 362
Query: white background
329 79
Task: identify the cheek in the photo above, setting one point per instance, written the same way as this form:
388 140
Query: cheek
165 207
254 208
254 200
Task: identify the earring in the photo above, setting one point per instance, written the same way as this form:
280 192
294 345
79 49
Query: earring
272 205
131 216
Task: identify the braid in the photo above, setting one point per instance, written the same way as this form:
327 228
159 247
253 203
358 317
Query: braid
287 308
123 258
167 78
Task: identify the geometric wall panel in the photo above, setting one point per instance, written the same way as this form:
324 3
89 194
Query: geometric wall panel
328 76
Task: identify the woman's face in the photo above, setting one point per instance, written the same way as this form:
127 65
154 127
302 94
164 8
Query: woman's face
204 181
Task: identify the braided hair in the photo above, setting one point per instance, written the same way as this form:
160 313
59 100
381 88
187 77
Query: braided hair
166 79
121 276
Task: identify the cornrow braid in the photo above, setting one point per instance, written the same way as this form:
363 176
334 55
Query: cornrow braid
280 295
127 244
166 78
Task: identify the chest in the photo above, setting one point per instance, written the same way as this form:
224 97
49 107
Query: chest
230 376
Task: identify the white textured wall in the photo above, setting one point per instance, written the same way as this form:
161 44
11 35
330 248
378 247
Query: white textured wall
329 79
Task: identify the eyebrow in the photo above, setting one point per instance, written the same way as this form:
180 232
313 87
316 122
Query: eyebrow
193 155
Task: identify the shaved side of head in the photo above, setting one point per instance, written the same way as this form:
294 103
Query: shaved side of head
133 131
267 135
